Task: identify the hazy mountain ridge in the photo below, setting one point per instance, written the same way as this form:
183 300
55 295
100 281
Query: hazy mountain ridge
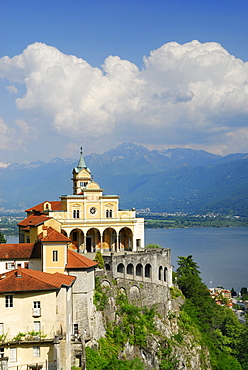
185 180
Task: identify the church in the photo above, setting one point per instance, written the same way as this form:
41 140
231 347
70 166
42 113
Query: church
47 282
89 218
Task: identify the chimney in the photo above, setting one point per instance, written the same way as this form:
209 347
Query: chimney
19 272
44 228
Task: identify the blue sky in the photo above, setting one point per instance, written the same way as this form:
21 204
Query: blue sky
184 94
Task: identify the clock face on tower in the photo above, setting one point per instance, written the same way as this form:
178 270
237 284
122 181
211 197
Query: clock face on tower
92 210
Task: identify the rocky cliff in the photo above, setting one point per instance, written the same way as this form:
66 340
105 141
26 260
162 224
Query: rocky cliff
160 336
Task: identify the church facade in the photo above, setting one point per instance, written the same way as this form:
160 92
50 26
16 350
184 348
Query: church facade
90 219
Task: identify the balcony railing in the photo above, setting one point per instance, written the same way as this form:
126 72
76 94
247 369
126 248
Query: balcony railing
36 312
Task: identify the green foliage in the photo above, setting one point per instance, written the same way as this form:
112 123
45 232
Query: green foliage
175 293
137 324
100 298
2 239
3 338
242 354
134 325
150 245
99 259
19 336
167 360
28 336
96 360
218 326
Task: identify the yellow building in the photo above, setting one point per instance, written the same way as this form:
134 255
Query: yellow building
35 319
90 219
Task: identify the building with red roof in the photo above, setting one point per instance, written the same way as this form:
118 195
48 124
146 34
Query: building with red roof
34 318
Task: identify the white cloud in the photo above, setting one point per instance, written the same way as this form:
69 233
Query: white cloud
192 93
24 127
5 135
12 89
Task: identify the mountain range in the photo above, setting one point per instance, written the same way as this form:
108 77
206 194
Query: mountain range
170 180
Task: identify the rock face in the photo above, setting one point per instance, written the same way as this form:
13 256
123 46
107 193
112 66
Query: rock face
172 342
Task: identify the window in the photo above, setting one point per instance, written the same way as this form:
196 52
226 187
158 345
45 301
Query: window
1 328
37 326
76 213
148 270
130 269
36 308
109 213
21 238
55 256
120 268
36 351
9 301
13 354
10 266
1 352
75 329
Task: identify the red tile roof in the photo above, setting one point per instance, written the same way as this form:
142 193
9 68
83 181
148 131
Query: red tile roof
22 279
77 261
20 251
53 236
55 206
34 220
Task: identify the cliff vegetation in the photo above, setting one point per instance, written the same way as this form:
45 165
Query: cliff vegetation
201 335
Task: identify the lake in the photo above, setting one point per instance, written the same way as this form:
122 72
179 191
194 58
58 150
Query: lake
221 253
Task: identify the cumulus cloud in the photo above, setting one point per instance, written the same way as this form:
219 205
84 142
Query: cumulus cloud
12 89
192 93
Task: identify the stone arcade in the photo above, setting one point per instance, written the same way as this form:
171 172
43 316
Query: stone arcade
54 240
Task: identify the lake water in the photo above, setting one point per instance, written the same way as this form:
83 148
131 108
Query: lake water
221 253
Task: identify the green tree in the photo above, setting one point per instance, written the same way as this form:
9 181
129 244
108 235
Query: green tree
243 290
219 327
99 259
2 239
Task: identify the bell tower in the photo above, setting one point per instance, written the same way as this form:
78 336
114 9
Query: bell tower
81 175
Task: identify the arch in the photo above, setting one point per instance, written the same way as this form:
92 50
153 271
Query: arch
93 240
130 269
160 273
126 239
123 291
110 239
148 270
134 293
165 274
139 270
107 267
64 232
77 239
120 268
105 284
